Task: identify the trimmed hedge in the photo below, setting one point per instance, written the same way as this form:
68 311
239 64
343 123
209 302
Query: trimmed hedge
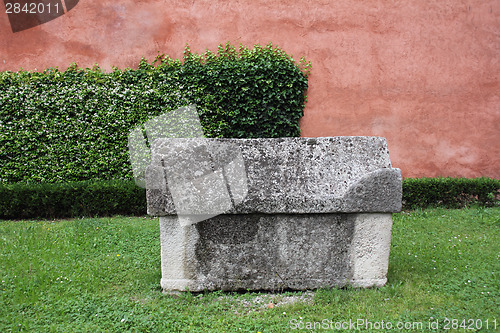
73 125
450 192
125 198
75 199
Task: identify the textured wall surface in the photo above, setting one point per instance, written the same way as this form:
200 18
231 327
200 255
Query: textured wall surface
425 75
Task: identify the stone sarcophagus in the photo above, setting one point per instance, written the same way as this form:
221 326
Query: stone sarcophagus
270 214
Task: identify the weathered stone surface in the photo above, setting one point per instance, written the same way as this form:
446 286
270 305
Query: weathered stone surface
286 175
369 249
377 191
274 252
273 214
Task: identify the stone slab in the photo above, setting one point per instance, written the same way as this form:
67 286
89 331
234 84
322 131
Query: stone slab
275 252
273 214
207 177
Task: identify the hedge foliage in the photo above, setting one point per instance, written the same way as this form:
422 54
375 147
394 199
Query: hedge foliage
125 198
450 192
72 125
74 199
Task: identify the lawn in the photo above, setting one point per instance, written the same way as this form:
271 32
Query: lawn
103 274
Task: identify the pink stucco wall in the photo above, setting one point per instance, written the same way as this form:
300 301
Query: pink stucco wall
423 74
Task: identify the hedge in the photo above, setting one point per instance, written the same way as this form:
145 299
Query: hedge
72 125
74 199
125 198
450 192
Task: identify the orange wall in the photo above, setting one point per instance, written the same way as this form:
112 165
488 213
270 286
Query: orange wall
423 74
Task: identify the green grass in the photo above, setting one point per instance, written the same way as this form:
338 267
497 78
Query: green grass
102 275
